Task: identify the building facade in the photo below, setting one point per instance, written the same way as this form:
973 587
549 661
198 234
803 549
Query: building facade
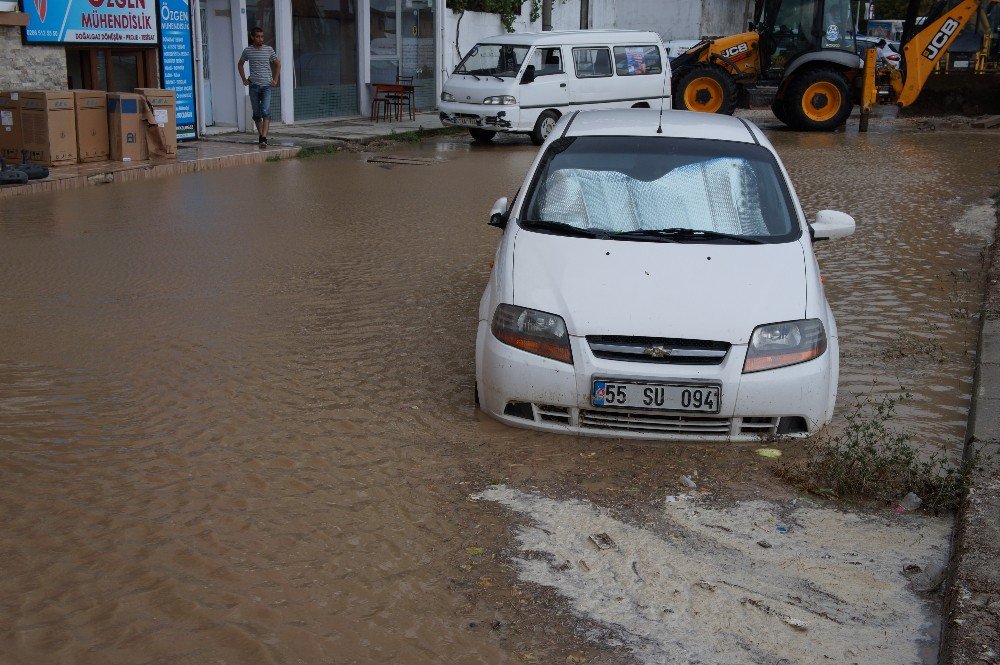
331 51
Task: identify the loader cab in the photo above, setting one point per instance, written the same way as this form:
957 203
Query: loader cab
789 29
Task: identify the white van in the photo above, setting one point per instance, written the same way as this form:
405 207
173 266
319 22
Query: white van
522 83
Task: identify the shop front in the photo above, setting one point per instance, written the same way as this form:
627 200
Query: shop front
331 52
118 46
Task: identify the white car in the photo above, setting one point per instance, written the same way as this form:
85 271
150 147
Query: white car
656 279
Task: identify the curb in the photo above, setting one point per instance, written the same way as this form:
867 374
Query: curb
126 172
971 619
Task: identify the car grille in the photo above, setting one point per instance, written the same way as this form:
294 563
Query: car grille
644 421
662 350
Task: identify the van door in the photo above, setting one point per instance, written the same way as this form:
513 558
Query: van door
593 76
549 87
639 70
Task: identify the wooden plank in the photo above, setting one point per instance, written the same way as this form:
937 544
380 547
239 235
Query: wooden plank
986 122
13 18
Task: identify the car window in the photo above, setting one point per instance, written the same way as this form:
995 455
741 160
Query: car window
493 60
592 62
546 61
637 60
619 184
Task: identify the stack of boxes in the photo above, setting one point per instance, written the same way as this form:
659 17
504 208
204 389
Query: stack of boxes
66 127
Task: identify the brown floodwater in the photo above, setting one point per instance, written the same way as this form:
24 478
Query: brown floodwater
236 416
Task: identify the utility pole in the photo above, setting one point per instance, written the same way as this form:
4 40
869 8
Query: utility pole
546 14
584 14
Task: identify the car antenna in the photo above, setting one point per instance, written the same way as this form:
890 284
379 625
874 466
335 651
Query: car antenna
659 127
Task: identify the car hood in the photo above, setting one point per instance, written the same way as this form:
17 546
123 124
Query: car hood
650 289
468 90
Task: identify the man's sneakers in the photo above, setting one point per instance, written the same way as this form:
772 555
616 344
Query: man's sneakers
262 142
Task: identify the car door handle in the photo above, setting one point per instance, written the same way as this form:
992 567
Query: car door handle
562 85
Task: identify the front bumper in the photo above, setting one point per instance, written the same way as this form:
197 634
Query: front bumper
525 390
491 117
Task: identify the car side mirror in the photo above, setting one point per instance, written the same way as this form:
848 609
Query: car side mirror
831 224
529 74
498 215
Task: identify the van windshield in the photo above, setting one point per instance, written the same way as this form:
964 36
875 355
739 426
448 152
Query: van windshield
643 188
493 60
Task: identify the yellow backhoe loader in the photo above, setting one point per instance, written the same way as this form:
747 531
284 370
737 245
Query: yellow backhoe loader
802 56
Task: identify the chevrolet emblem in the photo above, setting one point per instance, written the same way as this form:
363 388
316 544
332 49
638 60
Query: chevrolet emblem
658 352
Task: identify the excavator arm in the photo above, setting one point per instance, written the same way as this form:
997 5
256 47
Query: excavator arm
926 48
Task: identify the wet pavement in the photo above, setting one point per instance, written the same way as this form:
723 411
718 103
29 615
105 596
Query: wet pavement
237 421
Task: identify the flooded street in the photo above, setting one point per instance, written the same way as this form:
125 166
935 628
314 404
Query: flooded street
237 420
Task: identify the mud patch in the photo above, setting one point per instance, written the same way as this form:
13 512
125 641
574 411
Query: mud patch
978 221
752 582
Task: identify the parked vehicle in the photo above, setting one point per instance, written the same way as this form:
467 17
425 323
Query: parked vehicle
803 53
656 279
523 83
886 52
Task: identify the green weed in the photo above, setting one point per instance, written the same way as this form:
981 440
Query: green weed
870 460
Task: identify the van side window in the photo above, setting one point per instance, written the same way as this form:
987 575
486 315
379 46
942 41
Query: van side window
547 61
592 62
637 60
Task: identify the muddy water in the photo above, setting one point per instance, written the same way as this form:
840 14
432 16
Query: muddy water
906 287
236 414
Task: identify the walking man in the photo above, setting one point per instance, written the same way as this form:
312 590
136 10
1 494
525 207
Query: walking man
264 71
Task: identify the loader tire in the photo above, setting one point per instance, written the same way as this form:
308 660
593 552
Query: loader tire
780 111
706 88
818 101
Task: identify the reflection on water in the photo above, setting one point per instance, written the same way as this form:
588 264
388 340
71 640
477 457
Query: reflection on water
234 405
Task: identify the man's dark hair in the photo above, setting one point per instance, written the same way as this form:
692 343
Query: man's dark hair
256 30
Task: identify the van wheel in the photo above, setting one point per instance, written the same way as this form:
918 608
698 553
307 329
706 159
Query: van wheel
481 135
818 101
543 127
641 105
706 88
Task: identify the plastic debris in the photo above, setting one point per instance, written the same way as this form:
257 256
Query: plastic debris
909 502
688 482
781 529
763 543
474 551
797 624
768 452
603 541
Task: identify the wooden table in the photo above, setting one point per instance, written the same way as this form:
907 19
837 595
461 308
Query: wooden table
391 95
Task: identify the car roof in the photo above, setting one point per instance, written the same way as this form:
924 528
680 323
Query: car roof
676 124
573 37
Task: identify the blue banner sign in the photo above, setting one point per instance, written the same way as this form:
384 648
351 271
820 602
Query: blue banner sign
122 22
176 60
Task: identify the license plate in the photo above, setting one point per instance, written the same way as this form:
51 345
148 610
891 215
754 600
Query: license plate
660 396
466 121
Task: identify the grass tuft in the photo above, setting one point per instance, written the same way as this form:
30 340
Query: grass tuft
870 460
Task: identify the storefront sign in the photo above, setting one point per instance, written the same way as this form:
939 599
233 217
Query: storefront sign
176 61
121 22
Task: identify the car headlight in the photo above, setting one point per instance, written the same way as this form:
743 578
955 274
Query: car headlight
783 344
447 97
536 332
500 99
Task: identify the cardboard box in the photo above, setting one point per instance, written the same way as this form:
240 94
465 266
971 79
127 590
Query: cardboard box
126 129
164 106
11 136
48 122
91 125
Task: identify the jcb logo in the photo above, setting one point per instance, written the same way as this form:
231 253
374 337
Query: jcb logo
940 39
734 51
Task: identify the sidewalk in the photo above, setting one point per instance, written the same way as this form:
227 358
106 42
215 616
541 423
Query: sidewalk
971 623
223 150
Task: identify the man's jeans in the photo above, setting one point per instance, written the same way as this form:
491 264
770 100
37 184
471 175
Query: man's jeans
260 101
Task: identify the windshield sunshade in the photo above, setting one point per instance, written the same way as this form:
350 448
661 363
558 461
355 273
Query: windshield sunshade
627 184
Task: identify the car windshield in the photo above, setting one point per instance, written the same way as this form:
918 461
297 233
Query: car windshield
624 186
493 60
